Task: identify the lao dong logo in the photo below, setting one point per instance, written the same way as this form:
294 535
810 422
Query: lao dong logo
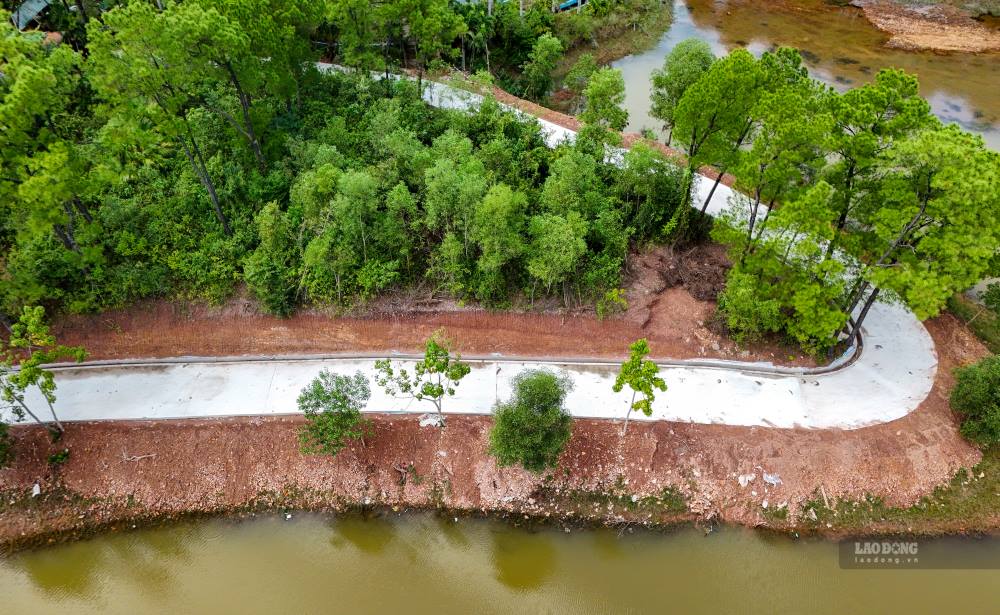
886 548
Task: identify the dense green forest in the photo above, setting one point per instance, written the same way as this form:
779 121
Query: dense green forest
182 151
186 148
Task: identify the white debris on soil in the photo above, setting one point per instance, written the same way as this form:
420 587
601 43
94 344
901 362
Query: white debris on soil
772 479
36 490
746 479
431 420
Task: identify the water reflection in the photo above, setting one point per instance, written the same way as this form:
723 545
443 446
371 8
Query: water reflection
425 564
144 560
840 48
522 559
370 534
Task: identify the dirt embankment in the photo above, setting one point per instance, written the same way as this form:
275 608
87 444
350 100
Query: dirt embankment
670 298
123 472
931 27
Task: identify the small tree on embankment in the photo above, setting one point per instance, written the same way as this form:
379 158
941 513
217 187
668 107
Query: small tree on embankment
434 377
332 404
532 427
23 356
641 376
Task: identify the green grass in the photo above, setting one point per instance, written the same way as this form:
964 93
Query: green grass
970 501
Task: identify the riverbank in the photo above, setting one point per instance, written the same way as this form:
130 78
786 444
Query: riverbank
930 26
121 473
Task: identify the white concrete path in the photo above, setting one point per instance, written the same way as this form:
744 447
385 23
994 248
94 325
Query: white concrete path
889 377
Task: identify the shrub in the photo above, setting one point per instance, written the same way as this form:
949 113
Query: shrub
332 404
749 316
976 398
59 458
991 298
532 427
6 445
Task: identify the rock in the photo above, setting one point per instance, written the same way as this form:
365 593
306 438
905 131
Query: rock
288 516
746 479
36 490
431 420
811 514
764 504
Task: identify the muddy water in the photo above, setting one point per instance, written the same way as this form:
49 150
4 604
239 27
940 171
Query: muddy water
838 45
425 564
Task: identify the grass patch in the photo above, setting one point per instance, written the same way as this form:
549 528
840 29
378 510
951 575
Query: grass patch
982 321
775 515
970 500
617 36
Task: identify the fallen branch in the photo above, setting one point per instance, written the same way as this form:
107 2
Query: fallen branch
136 457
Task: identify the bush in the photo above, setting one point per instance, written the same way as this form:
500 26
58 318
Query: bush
332 404
976 398
532 427
6 445
749 316
59 458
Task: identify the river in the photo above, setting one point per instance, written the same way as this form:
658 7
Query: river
839 46
423 563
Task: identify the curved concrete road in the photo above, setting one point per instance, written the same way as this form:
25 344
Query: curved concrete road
886 380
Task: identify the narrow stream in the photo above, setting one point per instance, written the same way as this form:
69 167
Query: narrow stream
839 46
422 563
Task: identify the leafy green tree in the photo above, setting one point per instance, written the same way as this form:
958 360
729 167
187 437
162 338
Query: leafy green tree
433 27
640 375
434 377
650 188
29 347
532 427
709 114
557 245
43 163
497 227
603 117
271 270
332 404
361 32
453 190
867 120
783 282
140 64
578 76
573 185
683 66
976 398
714 125
786 152
936 224
537 72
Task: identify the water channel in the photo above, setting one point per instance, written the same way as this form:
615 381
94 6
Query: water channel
424 563
839 46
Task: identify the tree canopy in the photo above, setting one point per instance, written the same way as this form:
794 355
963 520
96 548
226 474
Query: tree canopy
532 427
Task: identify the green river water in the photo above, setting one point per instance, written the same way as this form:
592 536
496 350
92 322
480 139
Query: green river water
839 46
423 563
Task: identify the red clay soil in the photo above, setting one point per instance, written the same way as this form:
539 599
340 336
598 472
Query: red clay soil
132 469
669 296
